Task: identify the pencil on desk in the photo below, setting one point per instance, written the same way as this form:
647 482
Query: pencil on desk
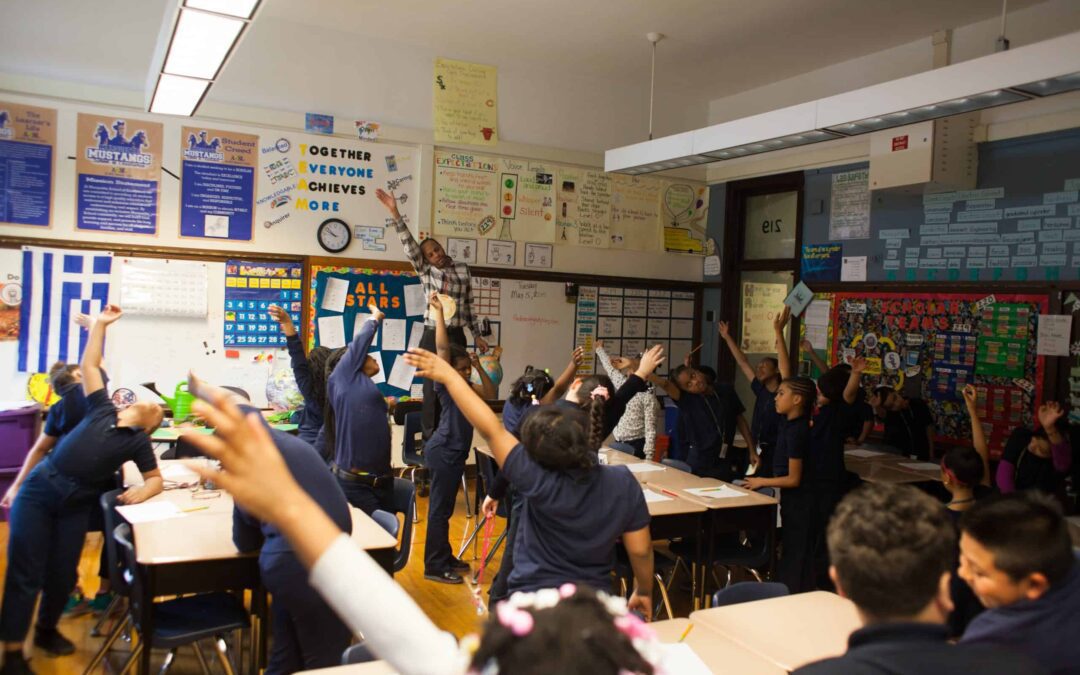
194 508
669 493
686 632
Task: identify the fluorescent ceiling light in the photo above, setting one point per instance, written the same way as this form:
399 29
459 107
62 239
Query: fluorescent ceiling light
200 44
1054 85
175 95
956 106
239 8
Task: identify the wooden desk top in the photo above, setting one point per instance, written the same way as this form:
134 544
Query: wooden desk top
206 534
791 631
888 468
677 481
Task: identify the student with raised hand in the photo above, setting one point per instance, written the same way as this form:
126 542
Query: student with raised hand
891 549
909 424
306 633
445 453
965 472
309 372
50 514
1017 556
637 426
575 509
356 427
765 382
1037 460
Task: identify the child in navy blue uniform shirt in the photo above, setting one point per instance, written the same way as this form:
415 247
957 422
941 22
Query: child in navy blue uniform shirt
764 381
445 453
575 509
309 371
51 513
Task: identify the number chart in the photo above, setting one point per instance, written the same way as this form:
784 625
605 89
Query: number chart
250 289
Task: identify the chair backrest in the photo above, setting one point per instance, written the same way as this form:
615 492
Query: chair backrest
403 408
112 552
404 503
624 448
767 491
410 446
748 591
486 468
358 653
237 390
677 464
131 571
387 521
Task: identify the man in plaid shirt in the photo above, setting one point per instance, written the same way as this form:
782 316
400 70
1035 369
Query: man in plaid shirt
439 274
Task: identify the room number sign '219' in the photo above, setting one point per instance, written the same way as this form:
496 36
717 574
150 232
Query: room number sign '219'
771 226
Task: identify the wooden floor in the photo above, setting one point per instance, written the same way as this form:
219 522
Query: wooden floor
450 607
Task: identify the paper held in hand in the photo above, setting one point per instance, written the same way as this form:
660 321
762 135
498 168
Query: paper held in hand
449 306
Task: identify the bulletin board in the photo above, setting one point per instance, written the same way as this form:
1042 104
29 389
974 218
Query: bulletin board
942 341
338 307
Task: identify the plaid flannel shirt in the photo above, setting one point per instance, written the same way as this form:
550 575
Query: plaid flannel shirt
454 281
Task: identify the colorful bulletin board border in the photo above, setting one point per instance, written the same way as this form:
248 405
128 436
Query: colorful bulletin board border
905 335
250 288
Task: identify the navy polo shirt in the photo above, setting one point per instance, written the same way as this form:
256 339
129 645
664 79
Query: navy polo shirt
362 432
707 420
93 451
65 414
823 469
570 522
766 420
906 429
310 417
309 470
454 433
513 414
792 439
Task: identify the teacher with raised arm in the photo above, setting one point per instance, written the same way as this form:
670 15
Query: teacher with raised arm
439 274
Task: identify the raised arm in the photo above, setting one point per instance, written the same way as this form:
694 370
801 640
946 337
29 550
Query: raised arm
428 365
468 316
442 337
354 357
978 434
740 357
486 389
781 345
651 410
408 242
297 358
92 379
812 353
617 378
851 390
667 385
1060 448
562 383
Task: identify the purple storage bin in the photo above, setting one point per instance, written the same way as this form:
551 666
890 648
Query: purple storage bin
18 429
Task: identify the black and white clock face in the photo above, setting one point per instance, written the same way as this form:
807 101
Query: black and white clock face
334 235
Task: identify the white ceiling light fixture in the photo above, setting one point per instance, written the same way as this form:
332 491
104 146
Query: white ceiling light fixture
194 44
1041 69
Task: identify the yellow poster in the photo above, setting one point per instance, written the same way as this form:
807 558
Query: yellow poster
526 201
583 208
466 195
27 157
635 213
685 207
760 305
118 166
465 103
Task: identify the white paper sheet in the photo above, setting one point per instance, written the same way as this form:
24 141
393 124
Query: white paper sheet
644 468
416 333
149 511
331 331
178 473
415 301
853 268
863 453
333 298
651 496
380 376
718 492
680 658
921 466
401 375
816 320
393 334
1054 332
358 322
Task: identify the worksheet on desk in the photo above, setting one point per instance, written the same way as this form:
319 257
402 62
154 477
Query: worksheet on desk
651 496
718 492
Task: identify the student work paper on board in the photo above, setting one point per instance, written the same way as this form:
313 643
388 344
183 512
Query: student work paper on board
334 296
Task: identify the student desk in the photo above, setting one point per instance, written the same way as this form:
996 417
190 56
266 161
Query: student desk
789 632
888 468
194 553
172 434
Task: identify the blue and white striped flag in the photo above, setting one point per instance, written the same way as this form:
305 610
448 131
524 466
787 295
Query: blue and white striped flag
57 285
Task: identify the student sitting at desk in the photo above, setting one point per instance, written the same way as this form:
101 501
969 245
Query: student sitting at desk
51 512
356 427
1040 459
305 631
309 371
575 510
891 548
1016 554
568 630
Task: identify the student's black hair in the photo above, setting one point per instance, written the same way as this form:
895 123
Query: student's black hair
709 373
833 382
804 387
457 353
426 240
329 418
1025 531
577 636
773 360
533 382
965 464
317 363
676 373
559 438
882 391
62 374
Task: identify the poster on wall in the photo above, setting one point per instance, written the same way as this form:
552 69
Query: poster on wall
526 199
305 179
118 167
760 305
583 209
466 194
465 96
685 208
27 142
250 289
217 183
635 213
849 213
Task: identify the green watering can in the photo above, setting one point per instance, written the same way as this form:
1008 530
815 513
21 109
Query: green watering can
180 402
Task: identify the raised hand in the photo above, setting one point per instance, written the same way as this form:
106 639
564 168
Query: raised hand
373 307
1049 413
435 303
970 395
84 320
110 314
725 330
781 319
858 364
577 357
429 365
620 362
650 361
806 346
283 318
598 345
389 201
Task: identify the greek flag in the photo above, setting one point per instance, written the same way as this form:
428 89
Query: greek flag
57 285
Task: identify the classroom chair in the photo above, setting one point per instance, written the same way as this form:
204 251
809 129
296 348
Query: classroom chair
624 573
238 390
485 475
181 621
748 591
120 587
358 653
753 554
677 464
387 521
405 504
625 448
411 449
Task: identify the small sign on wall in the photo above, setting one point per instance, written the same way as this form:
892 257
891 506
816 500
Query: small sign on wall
538 255
501 252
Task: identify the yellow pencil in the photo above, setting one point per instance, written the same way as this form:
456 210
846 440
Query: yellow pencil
686 632
194 508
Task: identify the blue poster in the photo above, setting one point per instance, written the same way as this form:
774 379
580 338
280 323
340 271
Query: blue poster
250 289
217 184
821 262
27 138
118 163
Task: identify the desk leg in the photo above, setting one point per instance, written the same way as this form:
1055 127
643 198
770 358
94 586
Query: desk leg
146 630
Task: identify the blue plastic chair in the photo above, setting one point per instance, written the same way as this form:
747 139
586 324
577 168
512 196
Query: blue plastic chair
358 653
387 521
677 464
405 504
120 588
748 591
485 471
625 448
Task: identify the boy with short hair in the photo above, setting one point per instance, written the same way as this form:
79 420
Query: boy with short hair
1016 555
892 549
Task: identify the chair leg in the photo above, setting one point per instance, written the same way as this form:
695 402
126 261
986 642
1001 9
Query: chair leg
468 504
223 655
415 513
113 605
471 539
757 575
133 659
167 663
107 645
202 659
664 597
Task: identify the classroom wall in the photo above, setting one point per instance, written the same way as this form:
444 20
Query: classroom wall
712 297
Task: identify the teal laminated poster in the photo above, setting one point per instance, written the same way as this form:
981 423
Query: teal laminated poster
250 289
